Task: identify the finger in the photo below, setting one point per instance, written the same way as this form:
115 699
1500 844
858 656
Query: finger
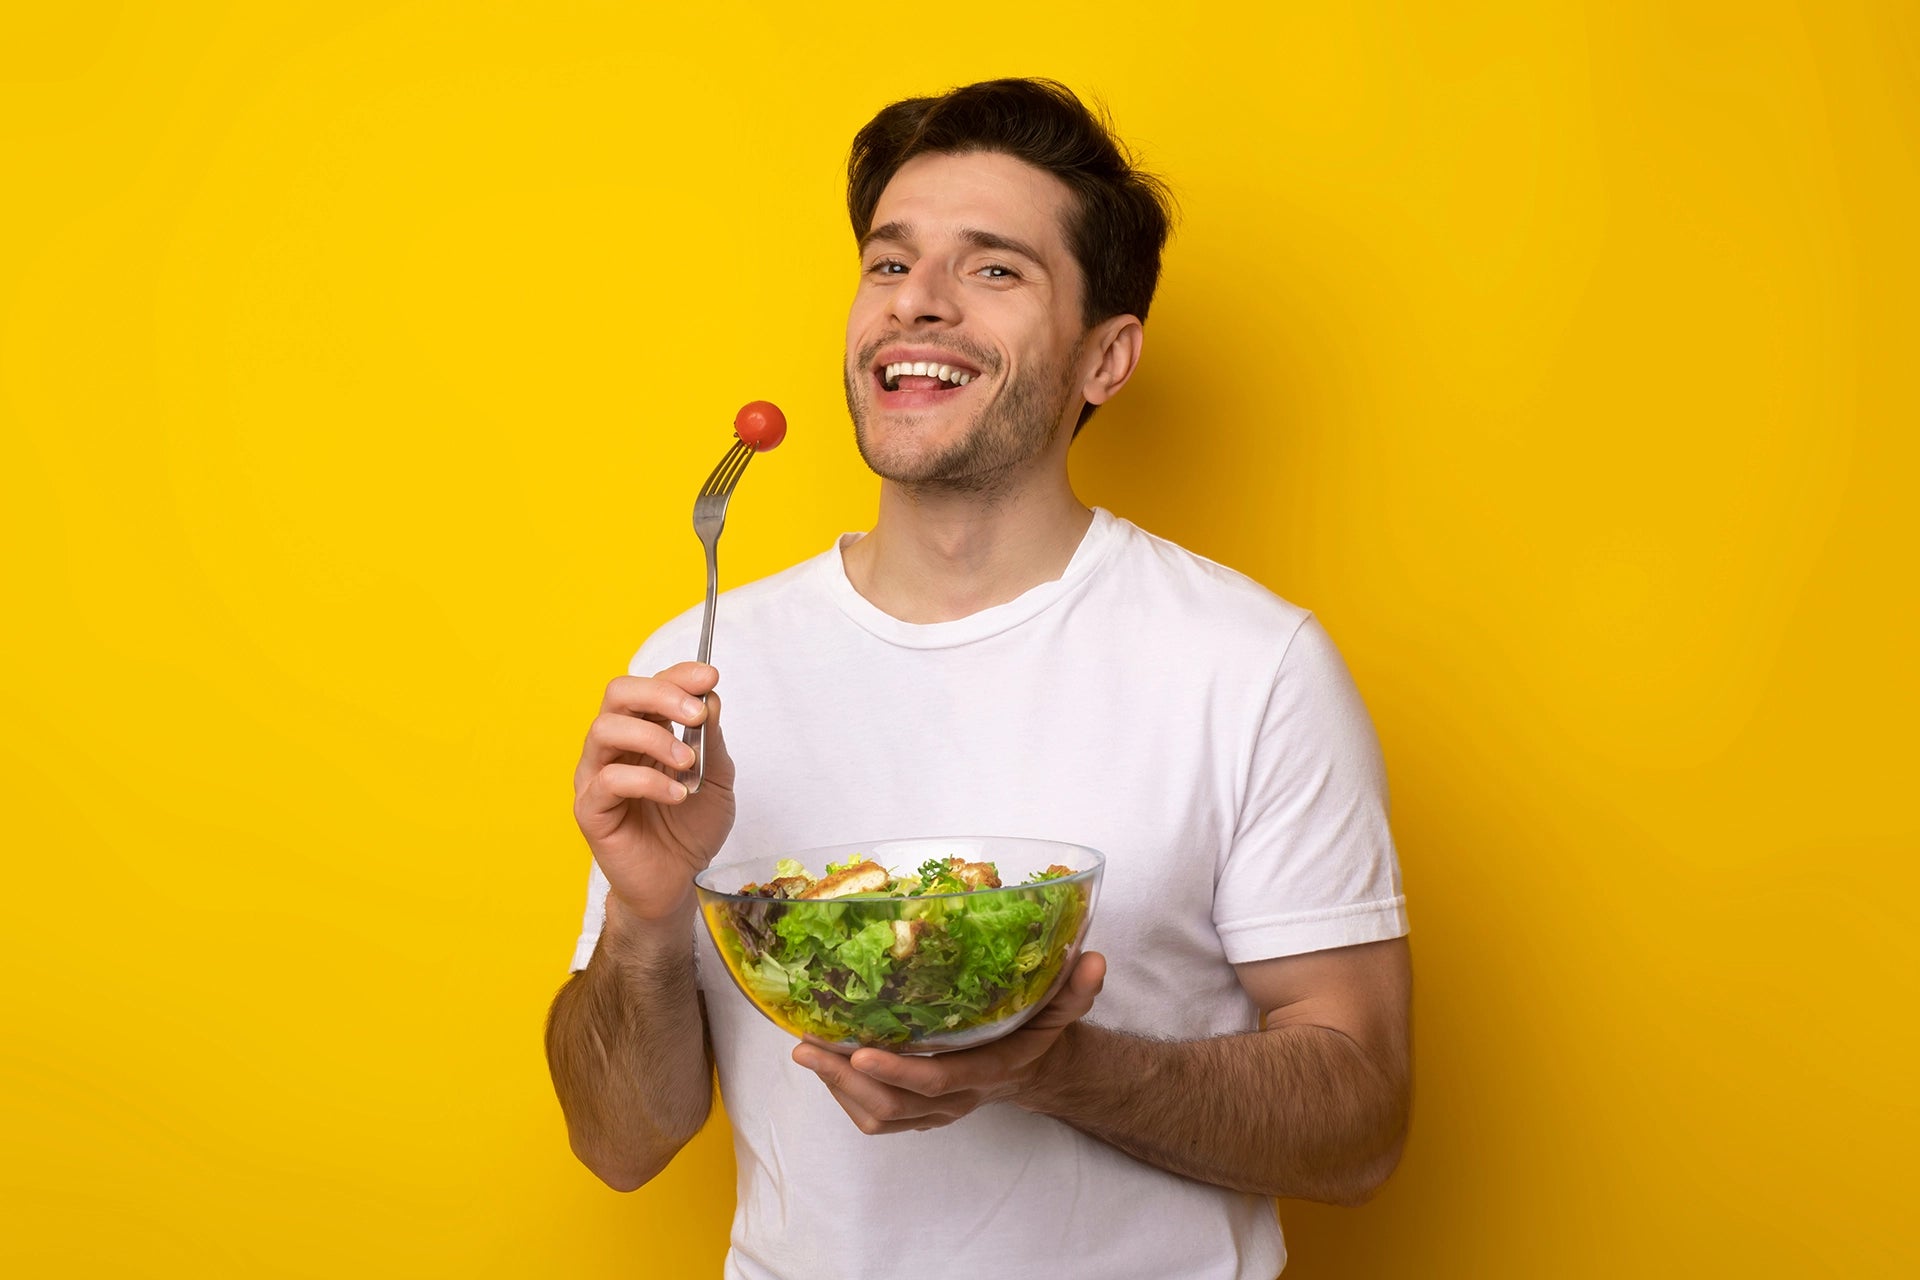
719 767
1075 998
927 1077
836 1074
832 1068
672 695
615 737
873 1125
695 677
863 1120
661 700
872 1106
612 786
1089 975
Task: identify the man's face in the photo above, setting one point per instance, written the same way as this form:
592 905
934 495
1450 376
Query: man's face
967 266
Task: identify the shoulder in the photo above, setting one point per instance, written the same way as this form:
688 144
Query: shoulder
1178 587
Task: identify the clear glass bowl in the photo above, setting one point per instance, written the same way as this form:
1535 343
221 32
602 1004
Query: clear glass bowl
940 972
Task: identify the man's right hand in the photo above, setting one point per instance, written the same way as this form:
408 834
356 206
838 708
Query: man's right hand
648 835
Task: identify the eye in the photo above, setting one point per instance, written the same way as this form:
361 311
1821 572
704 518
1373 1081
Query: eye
995 271
888 267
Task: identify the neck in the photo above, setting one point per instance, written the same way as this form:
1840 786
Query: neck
938 556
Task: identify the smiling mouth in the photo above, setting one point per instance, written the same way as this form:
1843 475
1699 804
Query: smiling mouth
922 375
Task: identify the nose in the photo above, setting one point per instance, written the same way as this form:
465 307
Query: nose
925 296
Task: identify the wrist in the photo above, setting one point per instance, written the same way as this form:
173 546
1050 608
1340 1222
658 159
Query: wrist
629 935
1044 1089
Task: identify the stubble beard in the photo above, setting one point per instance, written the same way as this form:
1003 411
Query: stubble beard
1010 430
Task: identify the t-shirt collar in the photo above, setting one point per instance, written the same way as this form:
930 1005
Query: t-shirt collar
1094 545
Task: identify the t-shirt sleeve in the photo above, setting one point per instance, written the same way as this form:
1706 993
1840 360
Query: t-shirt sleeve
650 660
594 918
1312 864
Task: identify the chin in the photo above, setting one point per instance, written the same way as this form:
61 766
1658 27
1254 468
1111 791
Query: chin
909 446
902 464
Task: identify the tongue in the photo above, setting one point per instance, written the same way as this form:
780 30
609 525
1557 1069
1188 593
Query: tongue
911 382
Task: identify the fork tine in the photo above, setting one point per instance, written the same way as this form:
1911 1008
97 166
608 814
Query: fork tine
715 479
734 465
746 455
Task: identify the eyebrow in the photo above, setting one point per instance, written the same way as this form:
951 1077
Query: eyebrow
902 233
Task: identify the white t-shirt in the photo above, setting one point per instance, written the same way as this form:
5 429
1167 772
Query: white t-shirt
1195 728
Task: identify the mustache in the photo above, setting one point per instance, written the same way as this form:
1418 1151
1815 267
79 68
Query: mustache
981 358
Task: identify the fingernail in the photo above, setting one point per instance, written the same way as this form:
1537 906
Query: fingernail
677 791
692 707
683 757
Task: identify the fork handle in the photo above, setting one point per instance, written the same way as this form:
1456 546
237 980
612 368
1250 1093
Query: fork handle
696 737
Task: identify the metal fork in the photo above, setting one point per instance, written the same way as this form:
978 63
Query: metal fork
709 517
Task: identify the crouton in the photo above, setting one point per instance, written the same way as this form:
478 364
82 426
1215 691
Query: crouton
906 938
975 875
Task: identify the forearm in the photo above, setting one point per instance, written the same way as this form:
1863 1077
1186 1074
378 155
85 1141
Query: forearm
1296 1111
627 1048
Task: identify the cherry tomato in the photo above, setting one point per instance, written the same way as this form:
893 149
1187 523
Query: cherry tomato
761 425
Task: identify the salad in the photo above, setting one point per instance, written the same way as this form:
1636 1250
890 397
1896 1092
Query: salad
861 955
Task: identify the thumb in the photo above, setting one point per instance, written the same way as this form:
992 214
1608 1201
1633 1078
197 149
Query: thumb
1075 998
714 744
1089 976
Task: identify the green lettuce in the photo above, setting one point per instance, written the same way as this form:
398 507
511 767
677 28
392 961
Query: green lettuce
828 969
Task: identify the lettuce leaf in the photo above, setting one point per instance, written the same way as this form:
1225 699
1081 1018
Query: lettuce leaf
827 968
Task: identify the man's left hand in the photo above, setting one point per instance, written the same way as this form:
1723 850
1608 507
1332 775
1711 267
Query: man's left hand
894 1093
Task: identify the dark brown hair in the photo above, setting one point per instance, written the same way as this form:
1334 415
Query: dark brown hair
1120 215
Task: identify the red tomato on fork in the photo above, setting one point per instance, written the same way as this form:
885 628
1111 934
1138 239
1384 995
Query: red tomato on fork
761 425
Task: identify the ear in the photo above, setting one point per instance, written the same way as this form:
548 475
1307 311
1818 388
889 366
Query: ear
1117 339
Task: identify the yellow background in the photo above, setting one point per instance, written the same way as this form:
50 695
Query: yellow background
357 366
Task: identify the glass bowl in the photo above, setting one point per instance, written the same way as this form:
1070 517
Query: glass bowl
925 973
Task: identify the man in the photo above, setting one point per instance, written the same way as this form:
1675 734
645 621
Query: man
996 658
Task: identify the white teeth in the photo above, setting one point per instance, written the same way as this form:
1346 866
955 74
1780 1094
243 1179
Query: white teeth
926 369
